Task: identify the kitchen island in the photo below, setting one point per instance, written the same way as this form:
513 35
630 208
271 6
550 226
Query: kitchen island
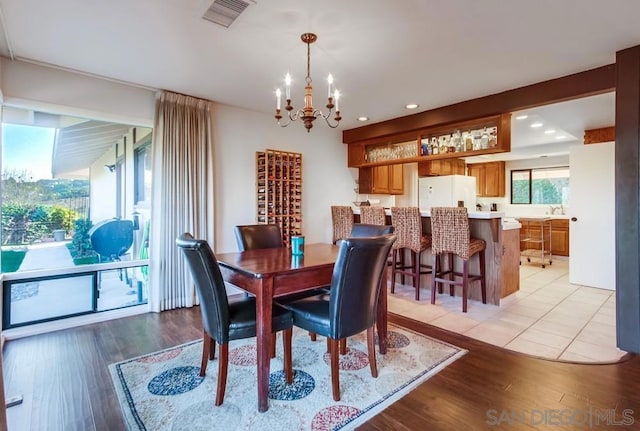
502 254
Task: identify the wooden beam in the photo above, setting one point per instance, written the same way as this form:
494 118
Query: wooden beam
597 136
582 84
627 191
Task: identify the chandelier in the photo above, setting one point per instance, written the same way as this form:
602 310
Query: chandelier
308 114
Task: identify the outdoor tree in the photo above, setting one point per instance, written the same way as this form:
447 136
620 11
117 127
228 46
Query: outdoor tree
545 192
32 210
520 192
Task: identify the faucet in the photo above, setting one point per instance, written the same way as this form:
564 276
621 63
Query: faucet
556 208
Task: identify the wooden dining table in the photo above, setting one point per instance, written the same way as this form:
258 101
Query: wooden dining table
273 272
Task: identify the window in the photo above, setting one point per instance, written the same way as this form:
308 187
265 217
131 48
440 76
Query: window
120 183
546 186
62 178
142 173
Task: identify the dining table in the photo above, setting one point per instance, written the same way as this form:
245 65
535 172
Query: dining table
272 272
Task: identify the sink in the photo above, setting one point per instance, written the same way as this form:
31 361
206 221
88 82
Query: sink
510 223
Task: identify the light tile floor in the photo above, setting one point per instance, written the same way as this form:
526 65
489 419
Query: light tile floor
548 317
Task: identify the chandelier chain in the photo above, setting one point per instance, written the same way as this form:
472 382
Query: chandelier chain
308 78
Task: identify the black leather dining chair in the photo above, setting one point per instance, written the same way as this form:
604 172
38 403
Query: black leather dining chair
363 230
350 306
359 230
224 321
257 236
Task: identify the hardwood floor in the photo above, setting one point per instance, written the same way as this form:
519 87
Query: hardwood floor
64 379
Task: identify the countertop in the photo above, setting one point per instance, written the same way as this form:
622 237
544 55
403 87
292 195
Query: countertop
536 217
472 214
507 223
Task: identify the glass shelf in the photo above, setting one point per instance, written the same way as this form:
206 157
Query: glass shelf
464 139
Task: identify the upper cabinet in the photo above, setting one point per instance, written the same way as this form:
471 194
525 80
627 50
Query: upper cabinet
384 180
468 138
490 180
432 168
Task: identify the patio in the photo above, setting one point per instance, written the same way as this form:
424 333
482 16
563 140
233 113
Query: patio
34 300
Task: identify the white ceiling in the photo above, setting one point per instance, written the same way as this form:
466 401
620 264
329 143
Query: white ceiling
383 54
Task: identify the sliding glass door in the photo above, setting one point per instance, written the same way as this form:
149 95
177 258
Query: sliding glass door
74 231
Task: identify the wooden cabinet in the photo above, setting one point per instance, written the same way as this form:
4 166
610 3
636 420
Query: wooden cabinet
510 262
441 167
477 170
490 181
494 181
416 145
279 191
385 180
560 237
396 179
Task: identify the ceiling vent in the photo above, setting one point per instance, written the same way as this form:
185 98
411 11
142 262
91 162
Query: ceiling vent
225 12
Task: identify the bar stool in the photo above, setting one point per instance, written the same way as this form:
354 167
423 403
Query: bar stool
373 215
342 220
450 235
407 225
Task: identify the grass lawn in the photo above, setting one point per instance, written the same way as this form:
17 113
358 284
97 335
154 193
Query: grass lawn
11 259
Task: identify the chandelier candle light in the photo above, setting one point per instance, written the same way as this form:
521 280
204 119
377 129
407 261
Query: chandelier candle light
308 114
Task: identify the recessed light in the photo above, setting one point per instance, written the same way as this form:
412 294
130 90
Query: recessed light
536 125
411 106
549 132
560 137
522 117
363 118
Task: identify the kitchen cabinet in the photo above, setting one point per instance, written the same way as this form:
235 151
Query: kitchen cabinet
279 191
487 135
560 237
441 167
384 180
490 178
510 262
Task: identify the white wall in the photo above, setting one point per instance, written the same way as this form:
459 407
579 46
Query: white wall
238 134
326 180
62 92
103 188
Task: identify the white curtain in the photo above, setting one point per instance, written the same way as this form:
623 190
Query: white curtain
182 194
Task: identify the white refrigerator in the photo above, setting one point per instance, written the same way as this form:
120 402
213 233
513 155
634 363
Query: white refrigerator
447 191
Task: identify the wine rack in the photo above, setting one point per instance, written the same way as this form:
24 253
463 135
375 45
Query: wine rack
279 191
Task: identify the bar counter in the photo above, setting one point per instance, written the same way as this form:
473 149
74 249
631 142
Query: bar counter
502 254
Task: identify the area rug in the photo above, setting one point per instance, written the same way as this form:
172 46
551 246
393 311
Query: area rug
163 391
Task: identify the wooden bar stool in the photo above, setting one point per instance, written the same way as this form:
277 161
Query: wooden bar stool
342 220
407 224
373 215
450 235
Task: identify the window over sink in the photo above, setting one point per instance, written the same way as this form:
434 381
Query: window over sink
546 186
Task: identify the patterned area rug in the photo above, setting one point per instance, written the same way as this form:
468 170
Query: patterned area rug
163 391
